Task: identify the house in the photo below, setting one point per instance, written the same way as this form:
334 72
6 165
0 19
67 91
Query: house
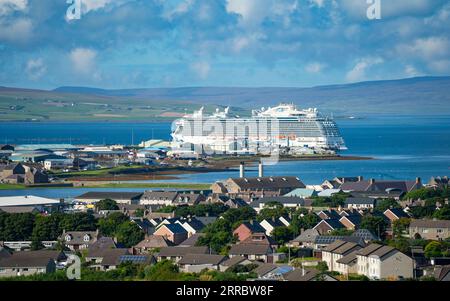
192 240
18 173
260 239
429 229
307 275
195 263
248 188
348 264
232 262
29 203
119 197
384 262
144 224
166 198
306 238
322 241
382 186
328 225
150 243
27 263
246 229
131 209
177 253
174 233
360 203
337 250
259 252
84 163
394 214
189 199
263 270
329 214
338 181
285 201
79 240
366 235
351 222
191 225
105 259
270 224
439 182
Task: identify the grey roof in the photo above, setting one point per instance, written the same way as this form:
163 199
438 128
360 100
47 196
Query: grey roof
378 185
235 260
369 249
334 245
302 275
160 195
206 220
101 244
275 223
19 209
349 258
175 228
264 269
427 223
355 219
250 249
136 259
365 234
330 214
325 240
383 251
191 241
113 195
28 259
398 212
199 259
153 241
194 223
77 237
308 235
441 272
360 201
268 183
110 256
181 251
333 223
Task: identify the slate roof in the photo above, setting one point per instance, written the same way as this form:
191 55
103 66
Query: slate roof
235 260
427 223
255 227
181 251
175 228
110 256
333 223
264 269
195 224
330 214
27 259
355 219
365 234
101 244
383 251
349 258
307 236
398 212
250 249
199 259
153 241
369 249
77 237
378 185
360 201
325 240
268 183
191 241
302 275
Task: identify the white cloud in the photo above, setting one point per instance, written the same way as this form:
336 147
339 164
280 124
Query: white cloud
36 68
426 48
18 31
8 6
201 69
318 3
440 66
315 67
83 60
358 73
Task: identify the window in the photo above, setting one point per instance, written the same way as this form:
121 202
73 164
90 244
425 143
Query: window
68 237
87 238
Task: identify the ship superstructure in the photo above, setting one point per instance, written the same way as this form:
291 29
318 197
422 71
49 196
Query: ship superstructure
281 127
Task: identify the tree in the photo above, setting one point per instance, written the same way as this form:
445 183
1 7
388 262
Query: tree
139 212
385 204
106 204
272 210
217 235
442 213
79 221
434 249
129 234
423 194
162 271
109 225
400 226
282 235
375 224
16 226
322 266
402 244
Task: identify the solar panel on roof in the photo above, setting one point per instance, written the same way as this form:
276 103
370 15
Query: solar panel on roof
133 258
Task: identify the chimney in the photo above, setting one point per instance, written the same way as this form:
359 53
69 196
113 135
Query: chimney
360 178
372 181
242 170
251 222
260 169
418 180
273 218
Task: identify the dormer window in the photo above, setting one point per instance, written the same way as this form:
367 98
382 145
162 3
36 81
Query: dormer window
86 238
68 237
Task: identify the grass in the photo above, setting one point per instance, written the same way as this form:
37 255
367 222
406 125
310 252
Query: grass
11 186
99 172
153 185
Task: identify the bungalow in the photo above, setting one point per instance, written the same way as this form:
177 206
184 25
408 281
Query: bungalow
384 262
27 263
258 252
337 250
177 253
105 259
360 203
270 224
232 262
306 238
195 263
307 275
79 240
174 233
192 240
328 225
119 197
150 243
429 229
246 229
263 270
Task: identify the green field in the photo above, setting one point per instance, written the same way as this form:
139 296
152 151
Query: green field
118 185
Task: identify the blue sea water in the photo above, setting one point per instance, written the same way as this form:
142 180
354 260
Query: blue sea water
403 147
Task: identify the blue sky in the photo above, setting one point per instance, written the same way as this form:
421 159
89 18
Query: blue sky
172 43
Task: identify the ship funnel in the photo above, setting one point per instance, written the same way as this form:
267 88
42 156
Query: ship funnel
242 170
260 169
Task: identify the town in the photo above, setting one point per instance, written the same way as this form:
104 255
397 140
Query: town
241 228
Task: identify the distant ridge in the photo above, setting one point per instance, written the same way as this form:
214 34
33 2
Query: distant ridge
418 95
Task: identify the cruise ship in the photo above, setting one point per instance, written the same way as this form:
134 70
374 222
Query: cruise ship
268 129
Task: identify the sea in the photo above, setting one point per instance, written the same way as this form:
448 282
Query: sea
402 147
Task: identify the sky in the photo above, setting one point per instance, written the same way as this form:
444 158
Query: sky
249 43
